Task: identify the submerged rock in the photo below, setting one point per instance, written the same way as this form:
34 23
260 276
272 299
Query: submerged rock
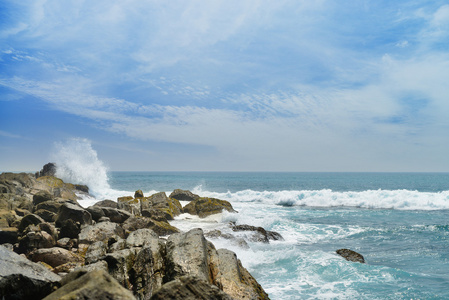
351 255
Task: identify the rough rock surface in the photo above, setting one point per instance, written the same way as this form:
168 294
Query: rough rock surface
75 213
100 232
191 288
259 234
95 285
55 256
23 279
183 195
204 207
351 255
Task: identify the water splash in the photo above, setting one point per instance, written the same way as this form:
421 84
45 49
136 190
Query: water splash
77 162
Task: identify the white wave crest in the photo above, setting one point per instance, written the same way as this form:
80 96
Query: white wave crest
77 162
374 199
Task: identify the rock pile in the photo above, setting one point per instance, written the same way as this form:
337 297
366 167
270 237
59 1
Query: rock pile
52 247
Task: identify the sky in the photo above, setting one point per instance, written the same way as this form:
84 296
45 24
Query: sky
299 85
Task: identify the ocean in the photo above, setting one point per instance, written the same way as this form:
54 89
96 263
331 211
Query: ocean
399 222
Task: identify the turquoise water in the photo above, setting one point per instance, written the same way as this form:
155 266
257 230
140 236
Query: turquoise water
398 221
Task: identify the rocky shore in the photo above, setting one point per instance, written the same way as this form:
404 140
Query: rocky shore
53 248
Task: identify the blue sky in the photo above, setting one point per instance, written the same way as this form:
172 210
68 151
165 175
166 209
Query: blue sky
227 85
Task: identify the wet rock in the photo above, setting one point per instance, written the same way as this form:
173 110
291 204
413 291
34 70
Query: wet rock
55 256
204 207
97 284
183 195
351 255
75 213
23 279
116 215
237 241
189 287
259 234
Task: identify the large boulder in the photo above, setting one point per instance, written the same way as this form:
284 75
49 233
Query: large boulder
204 207
351 255
28 220
55 256
47 170
116 215
107 203
95 285
42 196
171 207
100 232
75 213
23 279
183 195
190 287
162 228
187 254
57 187
120 263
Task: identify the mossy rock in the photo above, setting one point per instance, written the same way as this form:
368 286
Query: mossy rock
204 207
51 181
163 228
125 199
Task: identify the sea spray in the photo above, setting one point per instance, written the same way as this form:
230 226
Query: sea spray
77 162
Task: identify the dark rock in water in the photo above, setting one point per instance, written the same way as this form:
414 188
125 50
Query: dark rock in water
97 284
183 195
189 287
351 255
23 279
138 194
75 213
204 207
260 234
107 203
47 170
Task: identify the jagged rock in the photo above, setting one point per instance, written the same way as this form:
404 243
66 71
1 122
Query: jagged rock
23 279
82 188
96 212
351 255
116 215
55 256
35 240
139 237
259 233
237 241
204 207
138 194
50 229
100 232
234 279
187 255
95 285
106 203
95 252
16 183
52 206
130 204
57 187
160 227
67 243
47 170
73 212
69 228
147 273
160 201
120 263
154 214
189 287
42 196
46 215
183 195
28 220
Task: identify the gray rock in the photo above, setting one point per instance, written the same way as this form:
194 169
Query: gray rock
187 254
116 215
259 234
183 195
351 255
75 213
55 256
95 252
100 232
96 212
42 196
107 203
23 279
35 240
204 207
95 285
160 227
28 220
120 263
190 288
139 237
